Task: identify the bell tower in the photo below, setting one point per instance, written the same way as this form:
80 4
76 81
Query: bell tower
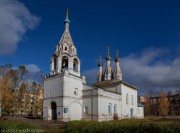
65 56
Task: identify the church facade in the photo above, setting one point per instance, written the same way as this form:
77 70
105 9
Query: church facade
68 97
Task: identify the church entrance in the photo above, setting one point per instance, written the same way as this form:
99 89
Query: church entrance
54 112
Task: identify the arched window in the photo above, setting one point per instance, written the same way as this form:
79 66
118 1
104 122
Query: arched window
65 62
115 108
55 62
65 49
110 108
127 99
75 91
75 65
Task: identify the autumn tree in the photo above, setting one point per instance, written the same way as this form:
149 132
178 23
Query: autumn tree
163 107
147 107
15 91
6 88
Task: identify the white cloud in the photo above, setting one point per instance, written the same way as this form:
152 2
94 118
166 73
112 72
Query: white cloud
15 21
32 68
152 69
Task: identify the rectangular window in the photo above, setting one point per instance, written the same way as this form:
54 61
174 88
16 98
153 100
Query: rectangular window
65 110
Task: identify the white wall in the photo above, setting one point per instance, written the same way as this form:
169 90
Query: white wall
127 107
97 104
70 99
61 89
53 86
140 112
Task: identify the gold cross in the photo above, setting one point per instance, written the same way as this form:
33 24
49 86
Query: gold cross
67 13
117 53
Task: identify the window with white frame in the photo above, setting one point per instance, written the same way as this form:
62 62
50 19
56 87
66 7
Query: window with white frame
115 108
65 110
127 99
110 108
76 91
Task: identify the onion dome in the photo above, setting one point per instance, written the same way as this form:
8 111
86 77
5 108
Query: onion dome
108 57
67 19
117 60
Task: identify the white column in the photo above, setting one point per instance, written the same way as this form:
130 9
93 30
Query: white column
70 64
52 65
59 64
79 67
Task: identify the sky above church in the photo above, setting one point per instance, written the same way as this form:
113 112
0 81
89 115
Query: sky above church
146 33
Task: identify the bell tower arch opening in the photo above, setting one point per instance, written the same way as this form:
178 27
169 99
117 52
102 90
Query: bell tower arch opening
75 65
65 63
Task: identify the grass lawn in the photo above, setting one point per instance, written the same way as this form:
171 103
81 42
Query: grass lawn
18 127
147 125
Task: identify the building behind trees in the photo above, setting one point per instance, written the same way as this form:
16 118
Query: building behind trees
21 91
162 104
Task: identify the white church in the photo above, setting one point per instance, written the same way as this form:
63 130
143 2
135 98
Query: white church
68 97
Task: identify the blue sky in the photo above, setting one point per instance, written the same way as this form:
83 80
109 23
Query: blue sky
147 34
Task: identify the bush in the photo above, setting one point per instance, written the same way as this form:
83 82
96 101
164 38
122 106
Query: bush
115 116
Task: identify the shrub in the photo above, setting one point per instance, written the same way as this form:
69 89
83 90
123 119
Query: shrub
115 116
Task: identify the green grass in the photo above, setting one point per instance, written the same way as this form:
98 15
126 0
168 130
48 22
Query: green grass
18 127
123 126
147 125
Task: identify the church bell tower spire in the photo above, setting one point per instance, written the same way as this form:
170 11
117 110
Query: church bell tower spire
65 55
